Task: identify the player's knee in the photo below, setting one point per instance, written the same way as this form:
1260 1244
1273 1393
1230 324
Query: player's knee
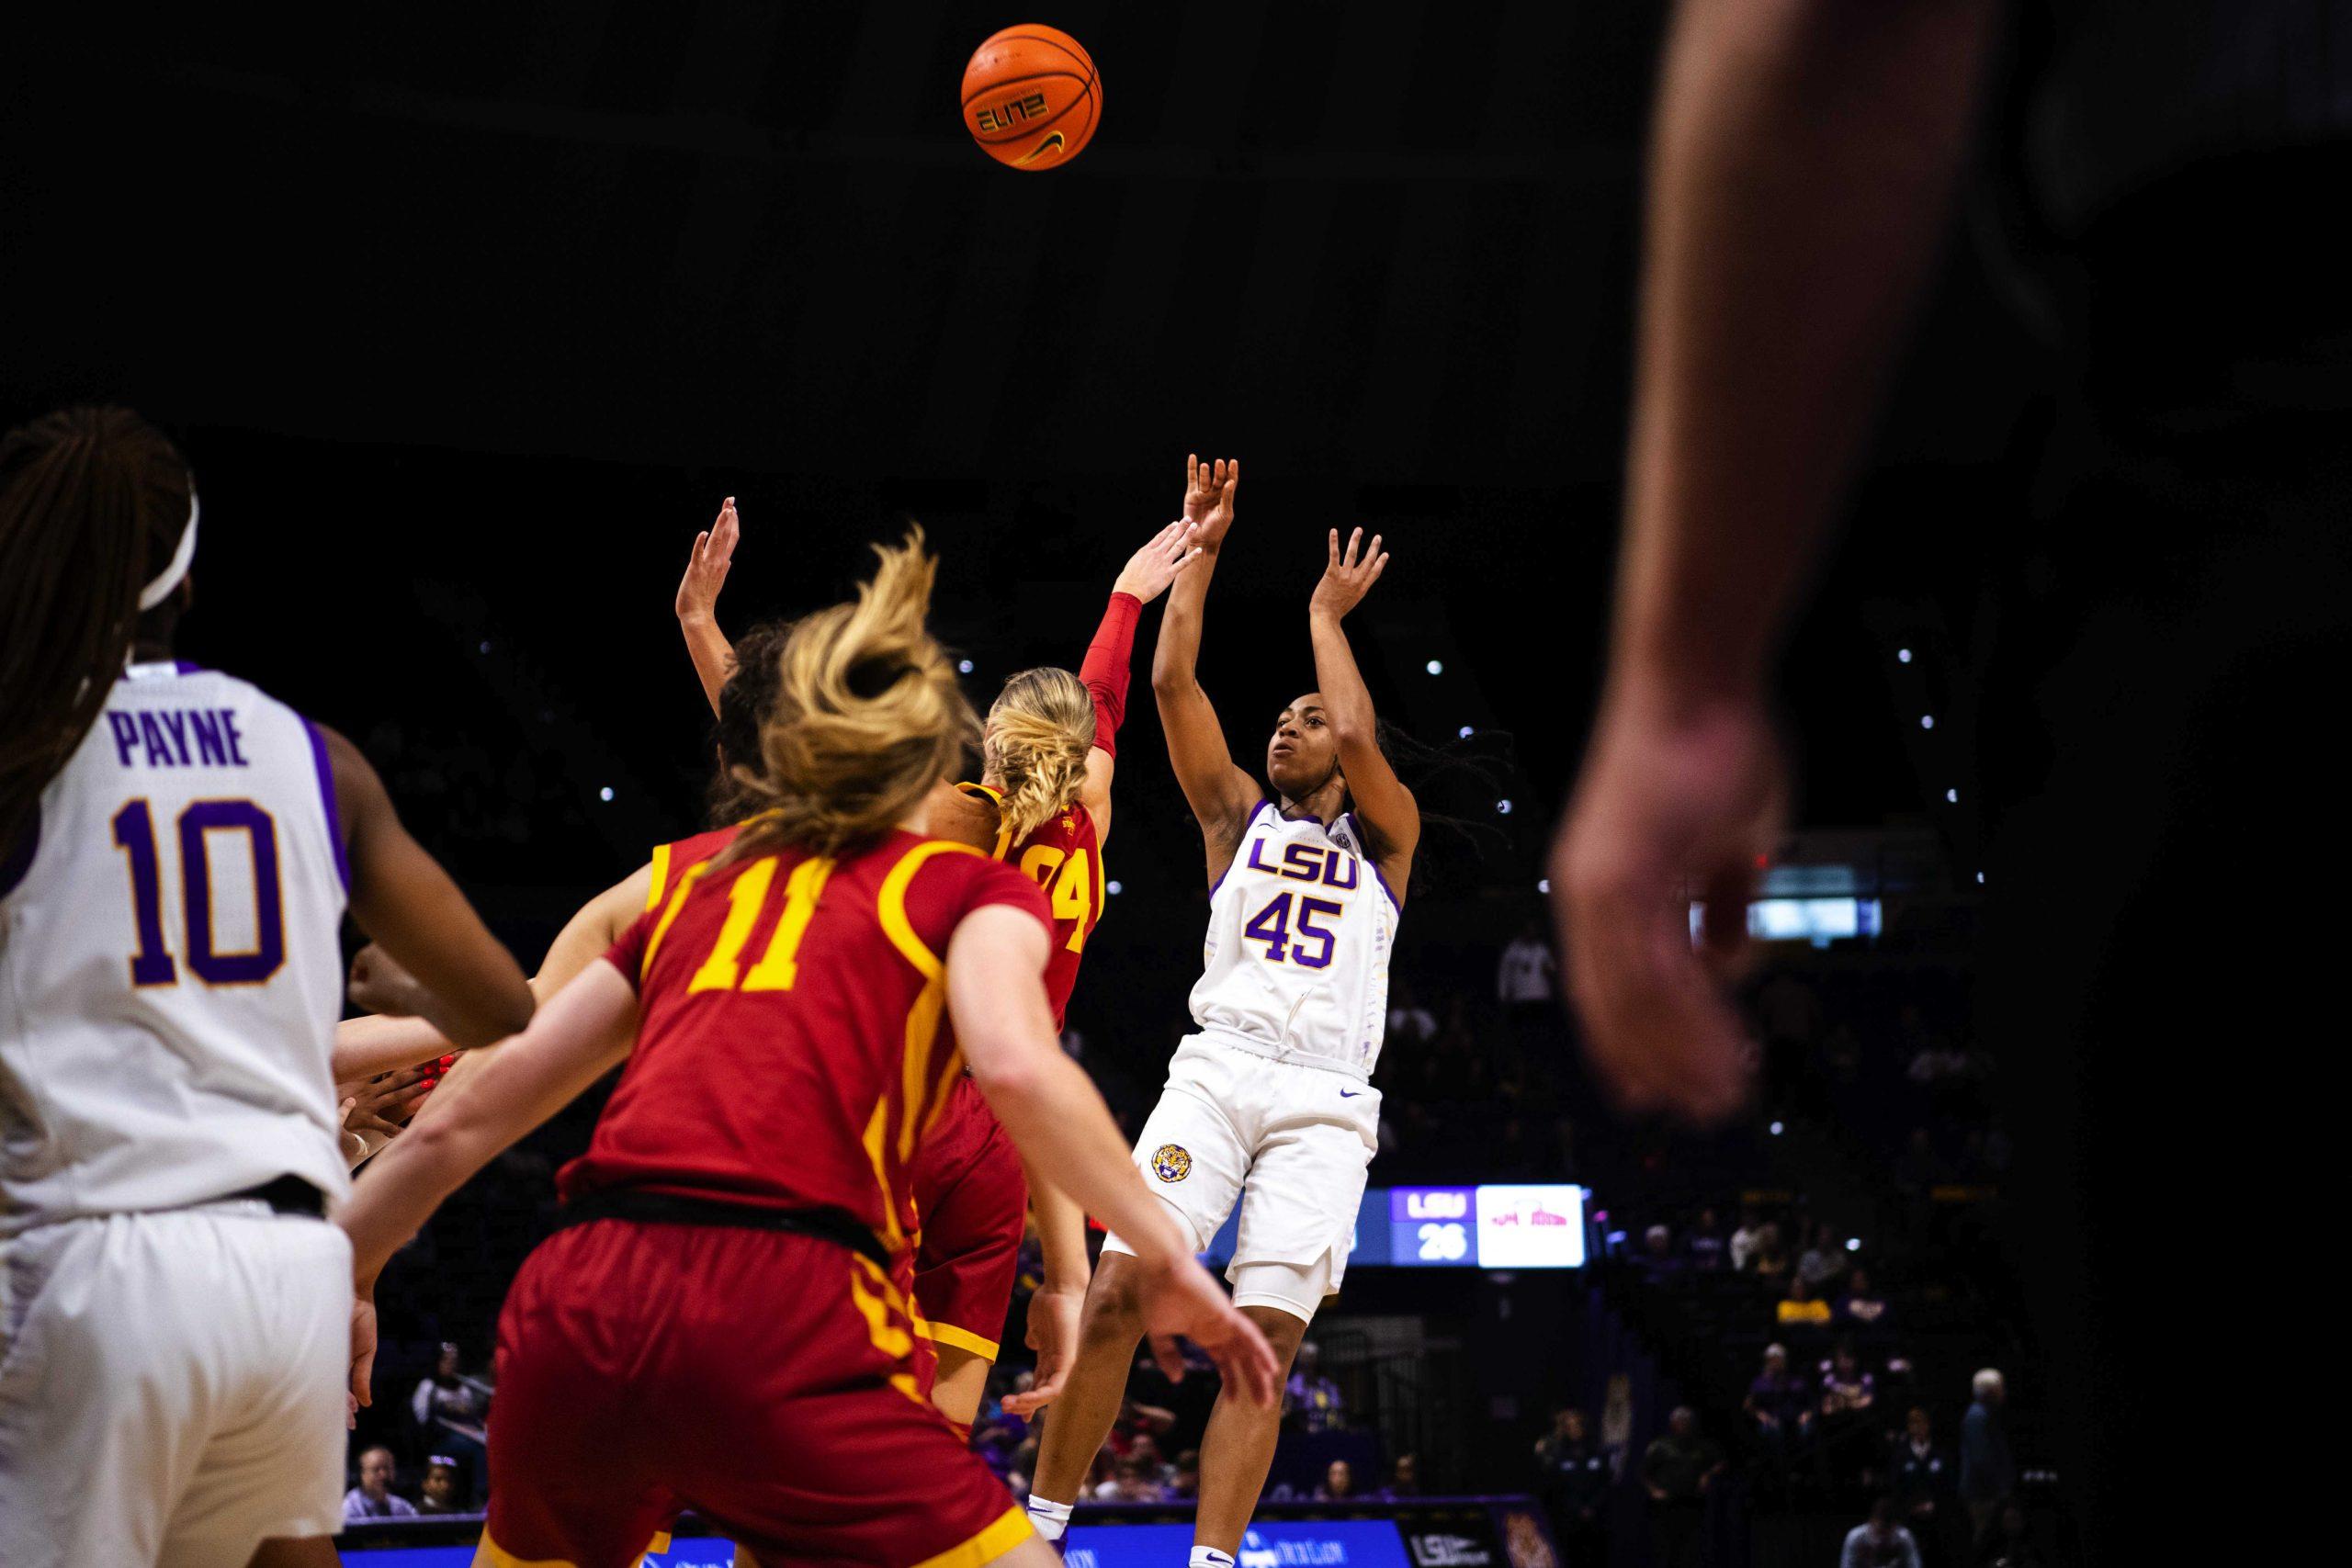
1114 1306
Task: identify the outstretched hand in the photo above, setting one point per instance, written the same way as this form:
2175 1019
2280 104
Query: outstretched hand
1188 1303
714 552
1053 1334
1152 569
383 1104
1209 490
1673 806
1348 577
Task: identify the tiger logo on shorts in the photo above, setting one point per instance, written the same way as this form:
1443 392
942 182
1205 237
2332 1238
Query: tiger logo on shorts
1169 1162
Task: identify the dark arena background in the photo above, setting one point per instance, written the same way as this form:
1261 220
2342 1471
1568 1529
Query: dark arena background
469 318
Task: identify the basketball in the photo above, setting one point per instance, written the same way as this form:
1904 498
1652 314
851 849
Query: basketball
1032 98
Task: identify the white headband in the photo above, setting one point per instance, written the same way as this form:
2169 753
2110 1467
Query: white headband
158 590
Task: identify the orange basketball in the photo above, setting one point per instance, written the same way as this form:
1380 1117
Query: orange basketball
1031 96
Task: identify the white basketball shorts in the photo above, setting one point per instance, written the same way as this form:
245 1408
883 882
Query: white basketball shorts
1291 1142
171 1386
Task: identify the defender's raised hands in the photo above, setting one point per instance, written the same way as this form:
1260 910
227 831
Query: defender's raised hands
1209 490
714 552
1152 569
1348 577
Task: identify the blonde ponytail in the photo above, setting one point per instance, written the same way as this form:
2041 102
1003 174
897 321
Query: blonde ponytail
1039 731
866 719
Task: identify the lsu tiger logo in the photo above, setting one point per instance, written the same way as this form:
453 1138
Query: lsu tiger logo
1169 1162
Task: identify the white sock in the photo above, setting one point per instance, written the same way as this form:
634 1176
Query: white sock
1209 1557
1050 1519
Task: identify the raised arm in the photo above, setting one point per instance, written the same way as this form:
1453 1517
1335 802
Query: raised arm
698 605
1057 1120
1805 153
1391 817
1145 577
1221 795
408 906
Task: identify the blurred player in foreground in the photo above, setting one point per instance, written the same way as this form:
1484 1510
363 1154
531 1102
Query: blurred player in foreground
1270 1104
1043 804
176 852
716 1326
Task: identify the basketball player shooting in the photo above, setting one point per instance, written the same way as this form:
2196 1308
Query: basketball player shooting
1270 1104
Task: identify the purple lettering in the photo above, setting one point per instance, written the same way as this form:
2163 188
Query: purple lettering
177 724
1331 868
1257 865
236 741
126 736
209 749
1303 861
159 748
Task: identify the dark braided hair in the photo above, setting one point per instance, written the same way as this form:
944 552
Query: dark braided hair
92 503
1465 774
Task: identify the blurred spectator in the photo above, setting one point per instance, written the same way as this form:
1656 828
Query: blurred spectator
1617 1421
1770 1260
1128 1483
1778 1403
1656 1256
1143 1453
1677 1470
1861 1307
1920 1169
443 1483
374 1498
1847 1396
2011 1543
1186 1487
1339 1482
1404 1480
1314 1400
1407 1019
1988 1477
1880 1544
452 1412
1824 1262
1705 1243
1800 1308
1574 1485
1524 979
1744 1240
1917 1470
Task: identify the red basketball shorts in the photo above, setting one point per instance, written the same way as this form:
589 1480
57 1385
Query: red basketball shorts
971 1206
763 1379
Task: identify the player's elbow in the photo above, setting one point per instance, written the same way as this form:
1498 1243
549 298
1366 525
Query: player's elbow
502 1015
1007 1068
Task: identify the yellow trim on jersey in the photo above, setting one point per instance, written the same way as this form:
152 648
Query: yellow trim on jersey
962 1339
677 902
1009 1530
876 1139
1004 828
922 1017
895 1343
660 876
488 1553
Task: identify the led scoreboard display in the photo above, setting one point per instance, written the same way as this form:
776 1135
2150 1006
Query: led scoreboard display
1460 1228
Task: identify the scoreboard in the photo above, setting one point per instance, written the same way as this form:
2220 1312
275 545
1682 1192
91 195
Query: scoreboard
1504 1226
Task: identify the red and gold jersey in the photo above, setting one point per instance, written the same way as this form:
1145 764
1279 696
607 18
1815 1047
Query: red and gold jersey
1063 856
671 861
792 1043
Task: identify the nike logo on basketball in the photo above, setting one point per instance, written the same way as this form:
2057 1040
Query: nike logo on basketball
1052 144
1352 1094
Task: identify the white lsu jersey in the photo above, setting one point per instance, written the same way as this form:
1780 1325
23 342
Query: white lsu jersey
171 968
1296 957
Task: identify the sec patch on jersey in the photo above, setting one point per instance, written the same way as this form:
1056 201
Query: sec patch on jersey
1169 1162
